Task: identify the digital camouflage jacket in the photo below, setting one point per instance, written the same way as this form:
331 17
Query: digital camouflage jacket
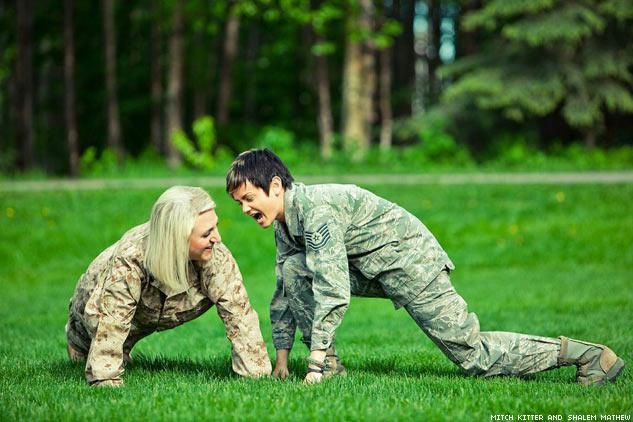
355 243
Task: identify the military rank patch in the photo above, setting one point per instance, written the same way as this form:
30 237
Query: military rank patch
317 239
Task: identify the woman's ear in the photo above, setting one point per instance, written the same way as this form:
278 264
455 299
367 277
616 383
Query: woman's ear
276 187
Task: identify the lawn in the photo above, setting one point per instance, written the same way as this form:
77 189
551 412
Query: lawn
547 260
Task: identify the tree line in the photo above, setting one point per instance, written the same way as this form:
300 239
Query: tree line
342 75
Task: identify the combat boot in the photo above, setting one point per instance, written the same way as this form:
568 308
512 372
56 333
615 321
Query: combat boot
333 366
596 363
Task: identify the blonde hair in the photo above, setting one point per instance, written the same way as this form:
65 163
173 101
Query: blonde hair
171 223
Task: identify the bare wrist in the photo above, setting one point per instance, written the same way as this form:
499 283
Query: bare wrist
282 356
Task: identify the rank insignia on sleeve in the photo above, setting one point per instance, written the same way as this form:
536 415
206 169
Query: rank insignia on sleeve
317 239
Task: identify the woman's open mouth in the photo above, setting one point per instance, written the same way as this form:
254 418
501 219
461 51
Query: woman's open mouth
259 217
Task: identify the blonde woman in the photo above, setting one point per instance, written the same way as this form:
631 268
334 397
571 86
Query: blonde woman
159 275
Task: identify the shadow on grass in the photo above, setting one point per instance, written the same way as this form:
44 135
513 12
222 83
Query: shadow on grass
215 367
386 365
393 367
219 367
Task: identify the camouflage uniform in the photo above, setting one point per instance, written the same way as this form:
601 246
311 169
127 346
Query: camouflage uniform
341 240
117 302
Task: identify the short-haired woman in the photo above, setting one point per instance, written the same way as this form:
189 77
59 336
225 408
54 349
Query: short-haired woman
159 275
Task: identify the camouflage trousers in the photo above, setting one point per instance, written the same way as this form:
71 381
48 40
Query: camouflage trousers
79 339
443 316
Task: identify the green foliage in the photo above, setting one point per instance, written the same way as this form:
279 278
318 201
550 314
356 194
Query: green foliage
323 48
536 61
433 143
515 151
437 145
615 96
595 158
488 16
7 57
384 36
571 24
551 55
298 10
199 153
91 164
321 17
607 64
620 9
282 142
7 158
506 146
510 89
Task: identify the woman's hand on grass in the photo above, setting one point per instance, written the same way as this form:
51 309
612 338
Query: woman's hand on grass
281 372
108 383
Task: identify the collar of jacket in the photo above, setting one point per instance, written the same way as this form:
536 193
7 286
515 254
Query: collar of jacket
292 209
193 267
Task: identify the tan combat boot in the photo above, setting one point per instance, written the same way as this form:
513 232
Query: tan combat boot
596 363
333 366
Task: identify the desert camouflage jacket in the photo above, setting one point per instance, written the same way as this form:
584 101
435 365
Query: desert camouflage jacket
344 229
117 301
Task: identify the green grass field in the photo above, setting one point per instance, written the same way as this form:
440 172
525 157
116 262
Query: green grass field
546 260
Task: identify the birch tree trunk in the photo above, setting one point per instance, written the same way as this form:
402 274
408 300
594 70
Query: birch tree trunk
359 79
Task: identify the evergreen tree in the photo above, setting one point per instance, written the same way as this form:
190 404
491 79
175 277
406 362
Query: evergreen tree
545 56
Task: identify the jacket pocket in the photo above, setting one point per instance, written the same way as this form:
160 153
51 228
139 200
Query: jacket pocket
380 260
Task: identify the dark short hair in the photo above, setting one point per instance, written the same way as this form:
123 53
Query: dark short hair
257 166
